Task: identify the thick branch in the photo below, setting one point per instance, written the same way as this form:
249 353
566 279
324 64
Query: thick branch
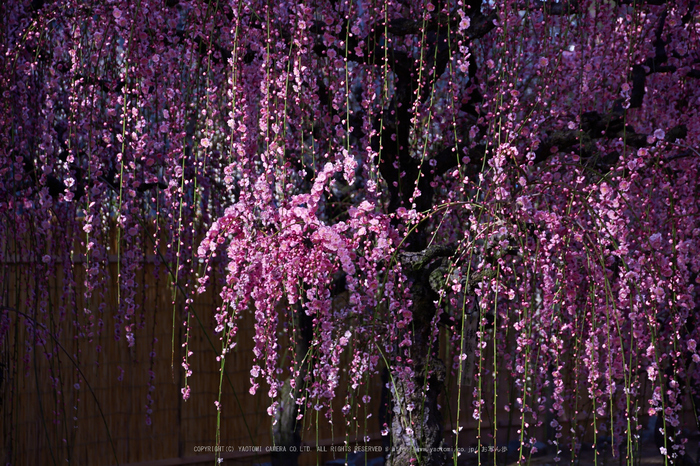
417 261
596 126
571 7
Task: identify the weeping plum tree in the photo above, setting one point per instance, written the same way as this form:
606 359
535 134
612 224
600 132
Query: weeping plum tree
518 176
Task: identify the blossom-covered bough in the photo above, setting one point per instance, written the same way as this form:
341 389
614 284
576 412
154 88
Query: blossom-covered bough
521 177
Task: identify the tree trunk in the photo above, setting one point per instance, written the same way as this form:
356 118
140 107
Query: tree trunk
286 428
417 434
416 425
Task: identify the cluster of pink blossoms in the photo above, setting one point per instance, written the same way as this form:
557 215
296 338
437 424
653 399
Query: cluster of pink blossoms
290 263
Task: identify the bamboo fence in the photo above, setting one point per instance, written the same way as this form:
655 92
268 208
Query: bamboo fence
84 398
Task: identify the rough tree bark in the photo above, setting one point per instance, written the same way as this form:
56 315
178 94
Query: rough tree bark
416 424
286 429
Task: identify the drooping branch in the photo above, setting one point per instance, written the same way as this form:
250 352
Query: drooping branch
402 172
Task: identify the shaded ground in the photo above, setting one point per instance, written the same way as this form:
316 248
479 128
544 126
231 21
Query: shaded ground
647 455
